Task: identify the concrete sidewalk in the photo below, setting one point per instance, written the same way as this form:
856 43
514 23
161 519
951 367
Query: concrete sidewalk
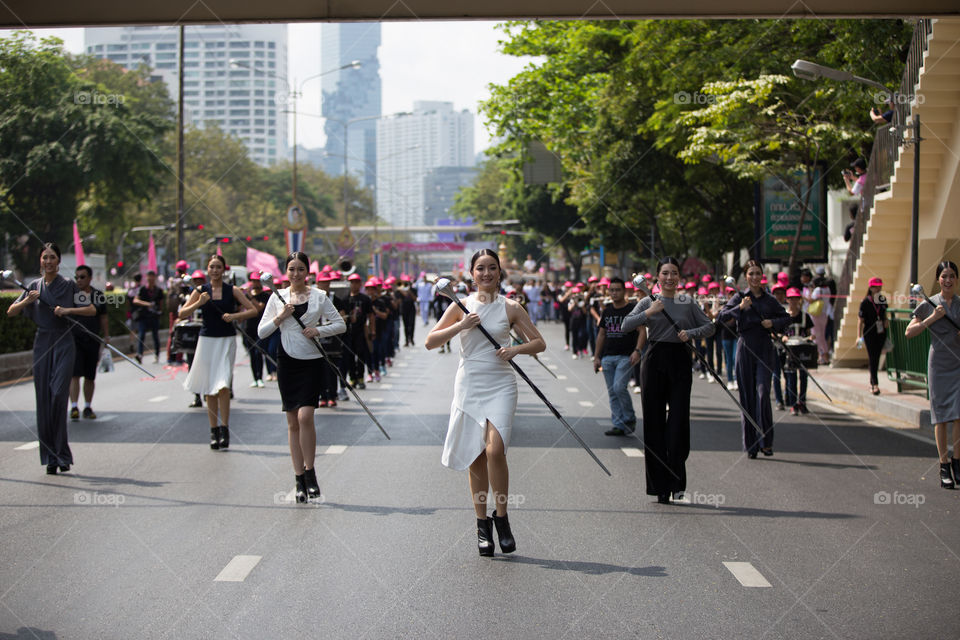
850 390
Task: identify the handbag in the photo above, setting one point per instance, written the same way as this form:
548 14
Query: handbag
106 361
887 345
815 308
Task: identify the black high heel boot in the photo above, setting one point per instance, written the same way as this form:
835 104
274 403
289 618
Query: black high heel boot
507 543
946 477
485 536
310 478
214 437
224 436
301 488
955 465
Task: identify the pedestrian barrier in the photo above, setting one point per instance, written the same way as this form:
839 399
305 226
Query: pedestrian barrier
907 361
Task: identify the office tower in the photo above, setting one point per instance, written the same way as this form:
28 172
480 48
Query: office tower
351 98
440 187
234 75
408 147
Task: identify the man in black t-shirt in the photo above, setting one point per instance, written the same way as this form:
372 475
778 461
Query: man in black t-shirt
617 353
88 347
148 305
356 351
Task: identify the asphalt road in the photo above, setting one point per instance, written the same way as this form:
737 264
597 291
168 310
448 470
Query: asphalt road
844 533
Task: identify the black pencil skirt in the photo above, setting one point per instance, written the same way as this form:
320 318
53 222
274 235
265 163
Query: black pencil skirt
300 381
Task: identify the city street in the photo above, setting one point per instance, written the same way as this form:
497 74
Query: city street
843 533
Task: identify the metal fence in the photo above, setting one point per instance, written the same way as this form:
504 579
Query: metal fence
907 361
883 156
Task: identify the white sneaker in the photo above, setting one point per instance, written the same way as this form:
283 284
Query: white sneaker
702 375
260 383
733 386
575 356
636 389
710 380
253 384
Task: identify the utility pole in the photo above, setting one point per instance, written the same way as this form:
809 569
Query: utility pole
179 250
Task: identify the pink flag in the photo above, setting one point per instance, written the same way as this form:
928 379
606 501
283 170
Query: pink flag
78 245
219 250
262 261
315 267
152 255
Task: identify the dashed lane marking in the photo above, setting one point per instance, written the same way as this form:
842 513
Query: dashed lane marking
158 398
572 390
585 403
632 452
29 446
238 569
374 399
552 366
335 449
385 385
560 376
746 574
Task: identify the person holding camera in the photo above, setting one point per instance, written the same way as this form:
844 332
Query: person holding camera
857 178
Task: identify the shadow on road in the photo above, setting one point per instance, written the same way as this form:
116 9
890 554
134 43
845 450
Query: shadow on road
589 568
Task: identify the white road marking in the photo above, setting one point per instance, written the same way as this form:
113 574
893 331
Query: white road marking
572 390
335 449
401 364
27 447
605 423
158 399
112 416
385 385
585 403
632 452
374 399
560 376
746 574
238 569
552 366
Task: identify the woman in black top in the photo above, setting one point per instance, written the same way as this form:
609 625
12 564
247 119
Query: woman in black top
212 372
756 312
872 328
53 353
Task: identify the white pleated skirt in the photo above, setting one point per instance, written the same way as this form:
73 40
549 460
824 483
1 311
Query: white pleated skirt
212 367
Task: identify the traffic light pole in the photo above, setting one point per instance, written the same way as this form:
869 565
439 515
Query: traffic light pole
179 250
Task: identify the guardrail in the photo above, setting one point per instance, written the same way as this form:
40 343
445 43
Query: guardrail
907 362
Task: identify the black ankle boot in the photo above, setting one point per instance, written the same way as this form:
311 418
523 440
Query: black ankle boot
224 437
214 437
507 543
955 465
310 478
946 477
485 536
301 488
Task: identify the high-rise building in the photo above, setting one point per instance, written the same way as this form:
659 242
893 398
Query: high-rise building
351 98
440 187
233 76
408 147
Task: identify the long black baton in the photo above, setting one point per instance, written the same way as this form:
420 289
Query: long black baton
533 355
443 286
702 359
268 278
8 276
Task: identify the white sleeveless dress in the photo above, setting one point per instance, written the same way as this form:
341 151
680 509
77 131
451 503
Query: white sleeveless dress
485 387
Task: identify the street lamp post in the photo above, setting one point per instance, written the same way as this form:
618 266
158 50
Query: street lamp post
295 93
812 71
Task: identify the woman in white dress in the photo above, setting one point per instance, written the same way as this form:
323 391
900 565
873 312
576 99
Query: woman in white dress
485 393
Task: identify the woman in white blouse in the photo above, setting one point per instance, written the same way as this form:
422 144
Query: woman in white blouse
299 363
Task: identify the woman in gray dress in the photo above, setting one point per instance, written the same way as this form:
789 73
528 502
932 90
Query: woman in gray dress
942 366
49 300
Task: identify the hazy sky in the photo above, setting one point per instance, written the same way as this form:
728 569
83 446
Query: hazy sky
451 61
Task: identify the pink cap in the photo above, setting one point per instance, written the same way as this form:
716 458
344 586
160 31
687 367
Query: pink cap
628 285
690 285
255 275
404 278
199 274
702 291
875 282
354 276
568 284
324 277
387 286
780 286
605 281
713 285
707 278
182 265
592 279
729 290
763 280
647 276
793 292
326 268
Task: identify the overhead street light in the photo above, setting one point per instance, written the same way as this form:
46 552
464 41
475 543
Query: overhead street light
806 70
